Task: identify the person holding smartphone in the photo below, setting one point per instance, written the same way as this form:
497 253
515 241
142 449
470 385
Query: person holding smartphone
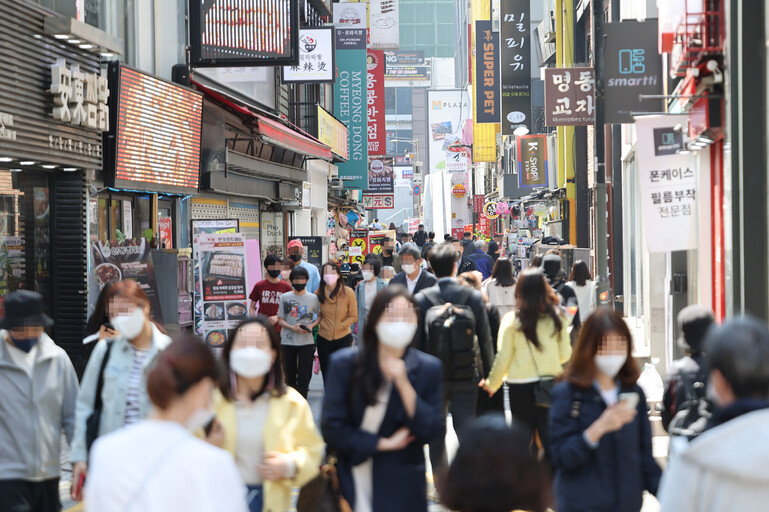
600 436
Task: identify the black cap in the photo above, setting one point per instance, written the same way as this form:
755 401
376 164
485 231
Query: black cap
24 308
551 265
694 322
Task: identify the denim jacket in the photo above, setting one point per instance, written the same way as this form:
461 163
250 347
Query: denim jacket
116 377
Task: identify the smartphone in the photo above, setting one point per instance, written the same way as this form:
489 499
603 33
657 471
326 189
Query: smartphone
629 400
108 325
305 328
78 487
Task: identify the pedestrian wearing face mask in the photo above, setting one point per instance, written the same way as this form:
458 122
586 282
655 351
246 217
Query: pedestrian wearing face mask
601 443
296 254
338 311
157 464
368 289
268 291
298 314
266 426
383 403
389 256
39 390
412 276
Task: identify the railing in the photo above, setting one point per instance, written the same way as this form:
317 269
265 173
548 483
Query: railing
699 34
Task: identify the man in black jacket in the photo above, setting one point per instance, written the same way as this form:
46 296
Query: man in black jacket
461 395
420 237
465 264
551 266
412 275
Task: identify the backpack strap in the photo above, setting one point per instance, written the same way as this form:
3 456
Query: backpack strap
433 294
100 380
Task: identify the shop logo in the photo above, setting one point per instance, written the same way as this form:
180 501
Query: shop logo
79 98
350 16
377 166
309 43
632 62
371 62
667 141
440 105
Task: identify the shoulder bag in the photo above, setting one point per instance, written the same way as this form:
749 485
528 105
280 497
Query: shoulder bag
94 420
543 388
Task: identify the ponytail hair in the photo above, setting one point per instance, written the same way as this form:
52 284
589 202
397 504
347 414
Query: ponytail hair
184 363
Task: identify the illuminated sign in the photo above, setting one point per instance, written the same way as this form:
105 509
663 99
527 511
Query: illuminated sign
156 133
244 32
79 98
332 133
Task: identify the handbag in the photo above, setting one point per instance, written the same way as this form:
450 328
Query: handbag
322 493
93 422
543 388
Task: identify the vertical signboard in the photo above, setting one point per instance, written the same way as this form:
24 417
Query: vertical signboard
668 187
381 174
375 102
487 73
633 67
515 53
385 30
358 247
532 161
447 112
316 57
350 104
569 97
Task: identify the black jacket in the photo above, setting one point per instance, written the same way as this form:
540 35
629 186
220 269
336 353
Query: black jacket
399 476
426 280
697 371
420 237
450 291
466 265
494 250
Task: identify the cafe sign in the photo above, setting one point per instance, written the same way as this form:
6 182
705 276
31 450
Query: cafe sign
79 98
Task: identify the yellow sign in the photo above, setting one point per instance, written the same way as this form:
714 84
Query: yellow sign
332 133
490 210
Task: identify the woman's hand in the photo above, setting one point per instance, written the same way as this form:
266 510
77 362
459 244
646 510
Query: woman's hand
106 333
78 469
398 441
393 369
612 420
275 465
484 385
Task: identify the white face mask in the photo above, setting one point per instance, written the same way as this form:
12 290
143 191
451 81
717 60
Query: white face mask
368 275
130 325
250 362
610 364
396 334
409 269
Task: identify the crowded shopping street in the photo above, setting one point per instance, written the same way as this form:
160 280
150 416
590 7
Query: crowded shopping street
384 256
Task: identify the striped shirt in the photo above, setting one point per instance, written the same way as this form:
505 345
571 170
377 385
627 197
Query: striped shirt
133 396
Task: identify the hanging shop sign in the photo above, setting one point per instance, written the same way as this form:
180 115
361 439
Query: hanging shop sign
484 226
313 250
316 57
668 187
381 174
490 210
447 112
487 88
350 104
457 162
358 247
384 30
459 191
375 102
569 96
667 141
532 161
6 127
351 14
332 133
244 33
633 67
306 195
379 201
157 131
515 56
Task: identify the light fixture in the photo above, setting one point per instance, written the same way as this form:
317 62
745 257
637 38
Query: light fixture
49 166
6 159
74 41
704 139
684 152
86 46
107 55
15 170
27 162
61 37
521 130
69 169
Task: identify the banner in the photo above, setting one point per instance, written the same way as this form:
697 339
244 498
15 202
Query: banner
487 87
350 104
358 247
515 54
668 188
313 250
478 201
633 67
447 112
385 29
316 57
569 97
532 161
222 284
375 102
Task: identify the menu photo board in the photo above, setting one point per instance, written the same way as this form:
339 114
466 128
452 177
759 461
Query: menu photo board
155 133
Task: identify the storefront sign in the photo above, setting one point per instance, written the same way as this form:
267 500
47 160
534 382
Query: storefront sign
490 210
381 174
532 161
12 263
515 35
351 14
6 127
313 250
484 226
404 58
569 96
378 201
447 112
157 130
457 162
223 278
350 104
478 201
358 247
413 225
316 57
486 73
633 67
459 191
403 176
332 133
385 29
668 188
409 75
79 98
244 32
375 102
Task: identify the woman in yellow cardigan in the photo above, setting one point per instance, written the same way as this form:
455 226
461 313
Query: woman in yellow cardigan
266 426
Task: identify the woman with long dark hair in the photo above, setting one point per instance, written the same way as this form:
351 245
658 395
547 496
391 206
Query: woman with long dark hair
500 287
584 287
601 443
338 311
534 345
265 425
383 403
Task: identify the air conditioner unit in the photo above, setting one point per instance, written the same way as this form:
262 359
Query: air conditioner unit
335 184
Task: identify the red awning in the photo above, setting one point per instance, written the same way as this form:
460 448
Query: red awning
276 132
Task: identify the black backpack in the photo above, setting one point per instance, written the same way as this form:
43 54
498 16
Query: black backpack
695 412
451 335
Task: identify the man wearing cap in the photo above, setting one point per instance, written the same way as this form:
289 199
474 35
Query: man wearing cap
295 254
39 391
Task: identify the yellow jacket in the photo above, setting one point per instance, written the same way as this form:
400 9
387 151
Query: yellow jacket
514 361
289 428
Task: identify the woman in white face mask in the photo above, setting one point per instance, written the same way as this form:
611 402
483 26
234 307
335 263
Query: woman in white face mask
157 464
367 289
599 428
383 403
265 425
113 391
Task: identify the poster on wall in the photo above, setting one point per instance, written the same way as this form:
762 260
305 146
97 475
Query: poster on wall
316 57
313 250
515 55
381 174
166 232
447 112
223 284
384 31
375 102
358 246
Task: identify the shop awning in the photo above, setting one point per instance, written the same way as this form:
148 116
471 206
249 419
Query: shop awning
274 132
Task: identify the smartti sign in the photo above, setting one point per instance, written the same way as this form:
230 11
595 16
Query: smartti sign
633 67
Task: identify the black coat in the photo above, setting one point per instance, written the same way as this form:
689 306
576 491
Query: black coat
494 250
426 280
466 265
611 477
420 237
399 476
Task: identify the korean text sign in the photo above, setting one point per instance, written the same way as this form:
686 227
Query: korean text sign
385 31
381 174
316 57
532 161
487 73
569 97
515 56
669 189
375 102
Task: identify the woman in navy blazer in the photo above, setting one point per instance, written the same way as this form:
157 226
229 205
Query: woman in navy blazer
383 403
